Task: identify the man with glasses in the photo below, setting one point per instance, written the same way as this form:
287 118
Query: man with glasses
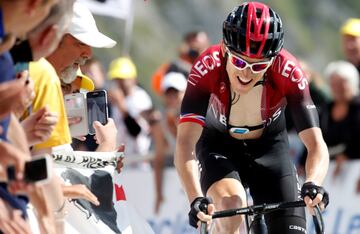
232 119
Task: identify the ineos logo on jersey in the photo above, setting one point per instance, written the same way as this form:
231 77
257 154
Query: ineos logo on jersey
217 109
290 70
207 63
221 117
274 117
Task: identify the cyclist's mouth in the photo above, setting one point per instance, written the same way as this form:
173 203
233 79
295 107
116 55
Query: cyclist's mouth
243 81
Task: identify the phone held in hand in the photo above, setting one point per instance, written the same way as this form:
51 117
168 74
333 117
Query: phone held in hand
38 170
97 108
75 105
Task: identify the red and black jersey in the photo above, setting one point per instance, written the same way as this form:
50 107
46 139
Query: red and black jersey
207 98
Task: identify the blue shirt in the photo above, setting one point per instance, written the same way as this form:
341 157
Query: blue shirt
7 73
2 32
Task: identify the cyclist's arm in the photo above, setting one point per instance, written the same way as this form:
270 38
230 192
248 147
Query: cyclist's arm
306 121
185 163
317 161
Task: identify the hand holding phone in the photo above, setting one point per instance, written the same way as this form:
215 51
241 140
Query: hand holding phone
38 170
106 135
97 108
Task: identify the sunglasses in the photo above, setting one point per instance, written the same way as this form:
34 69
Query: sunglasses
241 64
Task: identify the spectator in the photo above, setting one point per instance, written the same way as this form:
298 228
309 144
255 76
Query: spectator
27 17
94 69
18 17
193 44
131 106
66 59
341 118
173 88
63 63
350 32
137 121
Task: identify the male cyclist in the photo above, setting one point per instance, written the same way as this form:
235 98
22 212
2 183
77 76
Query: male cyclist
233 113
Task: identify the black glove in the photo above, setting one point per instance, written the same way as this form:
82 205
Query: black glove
199 204
311 190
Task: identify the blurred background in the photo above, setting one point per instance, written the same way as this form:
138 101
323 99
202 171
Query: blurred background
311 29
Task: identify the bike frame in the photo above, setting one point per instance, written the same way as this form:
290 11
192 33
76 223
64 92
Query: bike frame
259 210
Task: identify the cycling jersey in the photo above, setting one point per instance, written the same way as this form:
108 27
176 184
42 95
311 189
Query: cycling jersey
208 97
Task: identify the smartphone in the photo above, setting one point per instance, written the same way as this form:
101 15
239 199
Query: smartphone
97 108
38 170
75 105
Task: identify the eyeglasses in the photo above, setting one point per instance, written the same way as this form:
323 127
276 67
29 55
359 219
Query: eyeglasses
241 64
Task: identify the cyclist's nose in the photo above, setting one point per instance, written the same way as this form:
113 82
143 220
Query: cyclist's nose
247 72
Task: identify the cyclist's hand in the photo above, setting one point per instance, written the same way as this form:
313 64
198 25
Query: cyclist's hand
198 209
314 195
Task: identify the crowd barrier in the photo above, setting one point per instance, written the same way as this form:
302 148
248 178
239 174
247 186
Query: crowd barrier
128 199
341 217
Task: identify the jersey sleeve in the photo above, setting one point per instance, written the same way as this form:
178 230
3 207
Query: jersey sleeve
202 81
300 104
196 99
194 105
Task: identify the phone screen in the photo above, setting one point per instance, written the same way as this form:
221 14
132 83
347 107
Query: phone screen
36 170
75 106
97 108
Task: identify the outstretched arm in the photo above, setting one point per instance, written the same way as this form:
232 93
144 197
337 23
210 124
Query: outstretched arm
185 163
317 163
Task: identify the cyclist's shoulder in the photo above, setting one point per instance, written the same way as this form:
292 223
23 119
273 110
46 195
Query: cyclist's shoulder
207 65
286 71
284 63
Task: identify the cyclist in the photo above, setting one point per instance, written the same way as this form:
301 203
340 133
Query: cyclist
233 114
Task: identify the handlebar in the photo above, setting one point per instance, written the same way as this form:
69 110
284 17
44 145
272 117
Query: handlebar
265 208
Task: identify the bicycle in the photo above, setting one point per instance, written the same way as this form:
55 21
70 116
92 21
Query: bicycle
258 225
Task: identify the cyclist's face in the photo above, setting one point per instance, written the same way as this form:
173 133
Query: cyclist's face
243 80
